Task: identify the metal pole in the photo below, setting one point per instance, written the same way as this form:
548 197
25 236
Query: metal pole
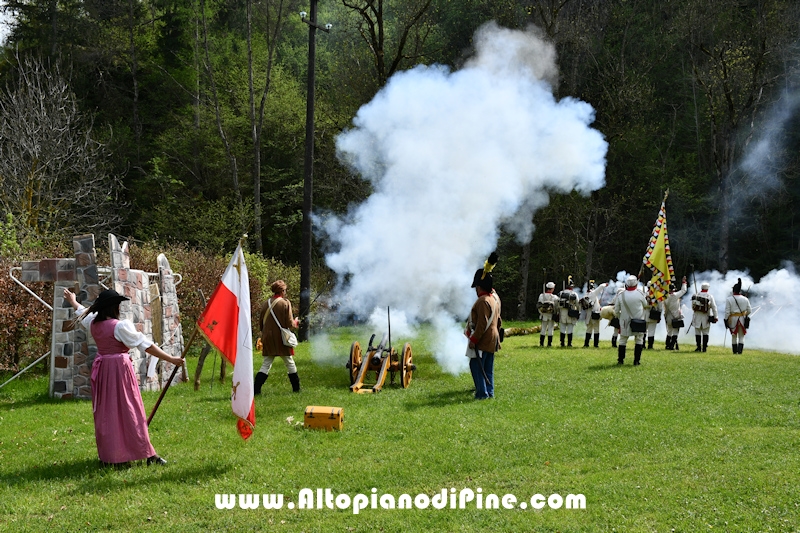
308 181
18 374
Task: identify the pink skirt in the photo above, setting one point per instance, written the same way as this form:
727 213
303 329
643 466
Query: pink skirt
120 425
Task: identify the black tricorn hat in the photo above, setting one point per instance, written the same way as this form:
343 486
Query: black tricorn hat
483 277
107 298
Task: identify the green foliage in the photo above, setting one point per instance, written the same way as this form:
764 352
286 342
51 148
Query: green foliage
9 246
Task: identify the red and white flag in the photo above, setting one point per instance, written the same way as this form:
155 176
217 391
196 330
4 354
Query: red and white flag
225 322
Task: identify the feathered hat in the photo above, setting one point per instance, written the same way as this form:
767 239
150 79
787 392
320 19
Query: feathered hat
483 276
737 288
570 283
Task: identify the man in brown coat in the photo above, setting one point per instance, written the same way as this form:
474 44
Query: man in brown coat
275 313
483 331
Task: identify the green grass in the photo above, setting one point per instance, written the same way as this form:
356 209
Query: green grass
685 442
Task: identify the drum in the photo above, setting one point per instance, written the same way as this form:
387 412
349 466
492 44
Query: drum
607 312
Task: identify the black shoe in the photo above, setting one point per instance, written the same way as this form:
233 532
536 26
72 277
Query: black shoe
261 378
155 459
295 381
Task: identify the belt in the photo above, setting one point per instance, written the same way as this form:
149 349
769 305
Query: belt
738 314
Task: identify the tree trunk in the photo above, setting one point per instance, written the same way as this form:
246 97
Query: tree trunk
524 267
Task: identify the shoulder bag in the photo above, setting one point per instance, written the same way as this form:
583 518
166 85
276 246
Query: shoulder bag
638 325
287 336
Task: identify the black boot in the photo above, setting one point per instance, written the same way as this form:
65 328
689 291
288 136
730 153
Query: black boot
668 343
650 341
637 354
675 343
705 342
295 381
569 340
741 347
563 335
698 339
549 340
261 378
735 348
596 340
586 342
541 340
613 342
620 354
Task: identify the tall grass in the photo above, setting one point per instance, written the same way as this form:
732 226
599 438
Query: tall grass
685 442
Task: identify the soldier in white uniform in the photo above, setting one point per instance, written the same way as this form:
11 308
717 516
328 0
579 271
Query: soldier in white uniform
547 306
569 311
673 315
654 310
630 305
705 314
737 316
614 321
593 313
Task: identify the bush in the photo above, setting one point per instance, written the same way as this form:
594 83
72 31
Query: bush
25 323
200 270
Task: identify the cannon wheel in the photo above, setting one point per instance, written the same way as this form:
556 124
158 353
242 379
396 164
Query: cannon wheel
406 366
355 361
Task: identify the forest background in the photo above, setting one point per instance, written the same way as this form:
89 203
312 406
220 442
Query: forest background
183 123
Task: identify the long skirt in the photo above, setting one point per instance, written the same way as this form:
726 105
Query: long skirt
120 425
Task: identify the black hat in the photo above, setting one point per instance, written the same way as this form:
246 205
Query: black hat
108 298
737 288
483 277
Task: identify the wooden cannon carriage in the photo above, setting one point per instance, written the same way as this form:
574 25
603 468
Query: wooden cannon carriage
382 359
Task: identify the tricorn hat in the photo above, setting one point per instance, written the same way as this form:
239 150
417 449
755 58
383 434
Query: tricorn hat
483 277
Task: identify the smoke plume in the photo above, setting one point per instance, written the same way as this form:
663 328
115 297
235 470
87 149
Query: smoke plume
452 157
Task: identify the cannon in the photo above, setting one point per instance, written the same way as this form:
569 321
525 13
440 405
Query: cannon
382 359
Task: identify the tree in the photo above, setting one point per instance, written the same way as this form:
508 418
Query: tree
393 31
733 48
53 176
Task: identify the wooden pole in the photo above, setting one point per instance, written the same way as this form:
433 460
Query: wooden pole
172 376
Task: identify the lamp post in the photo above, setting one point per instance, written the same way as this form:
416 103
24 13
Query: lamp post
308 172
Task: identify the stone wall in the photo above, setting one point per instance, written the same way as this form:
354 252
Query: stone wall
73 349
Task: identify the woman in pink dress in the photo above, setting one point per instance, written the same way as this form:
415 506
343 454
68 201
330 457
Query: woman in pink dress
120 425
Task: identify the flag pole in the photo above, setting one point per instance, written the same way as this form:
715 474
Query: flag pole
172 376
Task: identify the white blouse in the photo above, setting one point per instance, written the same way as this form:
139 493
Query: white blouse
125 332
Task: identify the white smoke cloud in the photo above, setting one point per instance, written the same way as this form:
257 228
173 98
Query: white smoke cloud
775 309
452 157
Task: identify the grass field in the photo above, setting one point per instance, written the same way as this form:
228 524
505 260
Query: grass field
685 442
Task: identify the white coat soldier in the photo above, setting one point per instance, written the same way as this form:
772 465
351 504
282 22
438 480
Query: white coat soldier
569 312
592 303
737 316
614 320
630 306
547 306
654 311
705 314
673 314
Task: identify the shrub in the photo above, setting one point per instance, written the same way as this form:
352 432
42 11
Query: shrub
25 323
